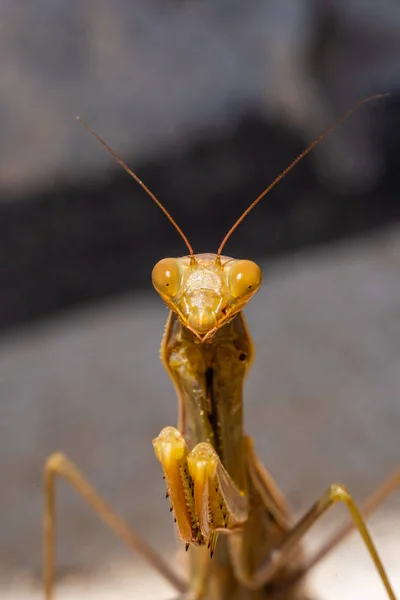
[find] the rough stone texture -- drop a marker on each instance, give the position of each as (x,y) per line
(322,402)
(151,74)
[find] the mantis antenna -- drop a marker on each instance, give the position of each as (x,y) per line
(140,182)
(296,160)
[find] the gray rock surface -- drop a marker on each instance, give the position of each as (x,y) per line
(151,74)
(322,403)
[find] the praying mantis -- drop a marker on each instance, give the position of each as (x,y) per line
(229,513)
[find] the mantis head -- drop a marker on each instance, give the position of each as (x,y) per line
(206,290)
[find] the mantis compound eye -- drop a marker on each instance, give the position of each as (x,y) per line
(166,277)
(244,278)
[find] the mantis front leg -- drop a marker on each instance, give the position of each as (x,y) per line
(203,496)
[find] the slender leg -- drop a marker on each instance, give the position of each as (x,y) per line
(58,465)
(389,486)
(336,493)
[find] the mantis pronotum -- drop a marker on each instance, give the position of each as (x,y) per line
(227,508)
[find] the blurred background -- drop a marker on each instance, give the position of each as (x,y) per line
(208,101)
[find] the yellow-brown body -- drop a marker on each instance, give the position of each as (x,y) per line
(225,504)
(208,377)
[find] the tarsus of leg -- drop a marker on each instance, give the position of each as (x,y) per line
(336,493)
(58,465)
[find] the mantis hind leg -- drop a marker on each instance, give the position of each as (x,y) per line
(58,465)
(376,499)
(282,553)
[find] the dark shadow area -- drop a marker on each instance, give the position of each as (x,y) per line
(79,243)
